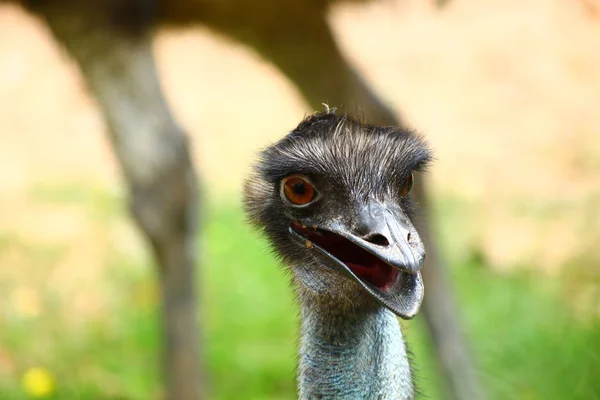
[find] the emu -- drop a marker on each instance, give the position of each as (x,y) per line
(333,199)
(111,42)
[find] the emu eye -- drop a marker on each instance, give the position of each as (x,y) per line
(298,190)
(406,185)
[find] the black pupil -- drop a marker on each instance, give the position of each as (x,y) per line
(299,188)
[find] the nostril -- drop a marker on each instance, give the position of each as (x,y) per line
(377,239)
(408,237)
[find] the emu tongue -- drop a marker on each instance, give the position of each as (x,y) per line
(380,275)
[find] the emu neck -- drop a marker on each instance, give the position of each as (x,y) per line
(350,353)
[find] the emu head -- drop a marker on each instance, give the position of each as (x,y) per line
(333,199)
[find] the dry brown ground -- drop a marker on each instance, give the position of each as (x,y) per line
(506,91)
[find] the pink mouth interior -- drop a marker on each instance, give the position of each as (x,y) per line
(365,265)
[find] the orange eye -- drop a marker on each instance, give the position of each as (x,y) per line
(298,191)
(406,185)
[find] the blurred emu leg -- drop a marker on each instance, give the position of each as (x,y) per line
(305,50)
(118,65)
(442,316)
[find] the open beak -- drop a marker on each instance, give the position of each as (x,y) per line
(381,251)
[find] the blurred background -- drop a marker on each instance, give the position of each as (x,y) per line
(508,95)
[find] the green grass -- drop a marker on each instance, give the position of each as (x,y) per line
(527,341)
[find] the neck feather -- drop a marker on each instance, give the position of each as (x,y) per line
(352,353)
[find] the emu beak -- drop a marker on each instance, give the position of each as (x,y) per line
(380,250)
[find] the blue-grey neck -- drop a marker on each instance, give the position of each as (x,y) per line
(352,353)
